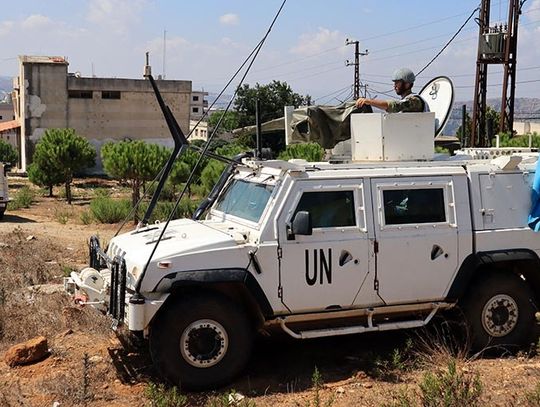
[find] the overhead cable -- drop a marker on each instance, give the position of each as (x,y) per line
(450,41)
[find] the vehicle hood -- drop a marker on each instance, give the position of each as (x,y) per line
(183,236)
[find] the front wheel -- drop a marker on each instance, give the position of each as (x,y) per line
(500,310)
(201,342)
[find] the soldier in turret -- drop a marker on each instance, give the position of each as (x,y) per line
(403,80)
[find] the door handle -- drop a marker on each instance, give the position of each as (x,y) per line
(436,251)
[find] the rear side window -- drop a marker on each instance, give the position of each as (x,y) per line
(329,209)
(405,206)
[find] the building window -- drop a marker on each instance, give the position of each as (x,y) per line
(80,94)
(195,98)
(328,209)
(1,117)
(110,94)
(195,110)
(406,206)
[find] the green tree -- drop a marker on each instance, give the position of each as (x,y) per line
(492,116)
(212,171)
(312,152)
(272,98)
(229,122)
(8,154)
(59,155)
(134,162)
(468,129)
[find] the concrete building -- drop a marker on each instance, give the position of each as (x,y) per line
(9,127)
(527,127)
(199,104)
(46,96)
(199,131)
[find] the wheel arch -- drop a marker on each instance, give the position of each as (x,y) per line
(237,285)
(522,262)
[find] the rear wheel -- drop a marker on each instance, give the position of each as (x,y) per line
(500,310)
(201,342)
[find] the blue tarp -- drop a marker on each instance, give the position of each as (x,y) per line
(534,215)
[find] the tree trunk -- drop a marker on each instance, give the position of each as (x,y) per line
(135,198)
(68,192)
(50,191)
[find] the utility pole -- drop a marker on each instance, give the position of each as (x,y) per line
(356,63)
(497,44)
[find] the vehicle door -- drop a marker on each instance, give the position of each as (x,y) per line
(326,268)
(417,237)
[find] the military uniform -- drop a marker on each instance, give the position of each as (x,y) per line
(410,103)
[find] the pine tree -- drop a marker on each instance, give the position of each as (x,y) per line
(59,155)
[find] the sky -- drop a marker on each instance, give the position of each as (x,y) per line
(207,40)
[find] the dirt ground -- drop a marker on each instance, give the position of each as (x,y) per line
(90,365)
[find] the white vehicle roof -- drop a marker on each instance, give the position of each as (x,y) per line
(517,162)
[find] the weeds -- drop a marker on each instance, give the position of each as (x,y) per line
(63,215)
(317,382)
(231,398)
(108,210)
(85,388)
(450,388)
(400,361)
(86,217)
(23,199)
(533,396)
(161,396)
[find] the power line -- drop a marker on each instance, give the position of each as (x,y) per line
(449,42)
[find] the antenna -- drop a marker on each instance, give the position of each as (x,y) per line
(93,73)
(164,51)
(147,68)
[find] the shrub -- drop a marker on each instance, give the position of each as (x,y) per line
(8,154)
(161,396)
(107,210)
(23,199)
(450,388)
(161,212)
(62,215)
(307,151)
(86,217)
(518,141)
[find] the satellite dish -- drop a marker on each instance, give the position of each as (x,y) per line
(439,96)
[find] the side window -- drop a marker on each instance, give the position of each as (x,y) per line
(403,206)
(329,209)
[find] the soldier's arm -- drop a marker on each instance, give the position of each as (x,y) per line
(379,104)
(413,104)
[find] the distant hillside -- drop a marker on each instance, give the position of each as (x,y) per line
(523,106)
(6,86)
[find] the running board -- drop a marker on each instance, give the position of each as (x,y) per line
(371,327)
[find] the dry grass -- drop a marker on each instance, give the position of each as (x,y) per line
(25,312)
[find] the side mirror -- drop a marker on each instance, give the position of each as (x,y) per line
(301,225)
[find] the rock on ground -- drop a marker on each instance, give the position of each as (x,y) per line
(28,352)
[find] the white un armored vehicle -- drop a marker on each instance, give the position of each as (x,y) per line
(384,242)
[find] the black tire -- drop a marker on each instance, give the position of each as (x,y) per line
(201,342)
(2,211)
(500,311)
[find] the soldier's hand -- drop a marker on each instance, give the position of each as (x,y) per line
(361,102)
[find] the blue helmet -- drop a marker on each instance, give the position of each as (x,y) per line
(404,74)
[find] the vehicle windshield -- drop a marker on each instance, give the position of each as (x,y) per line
(244,199)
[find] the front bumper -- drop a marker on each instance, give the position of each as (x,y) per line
(124,305)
